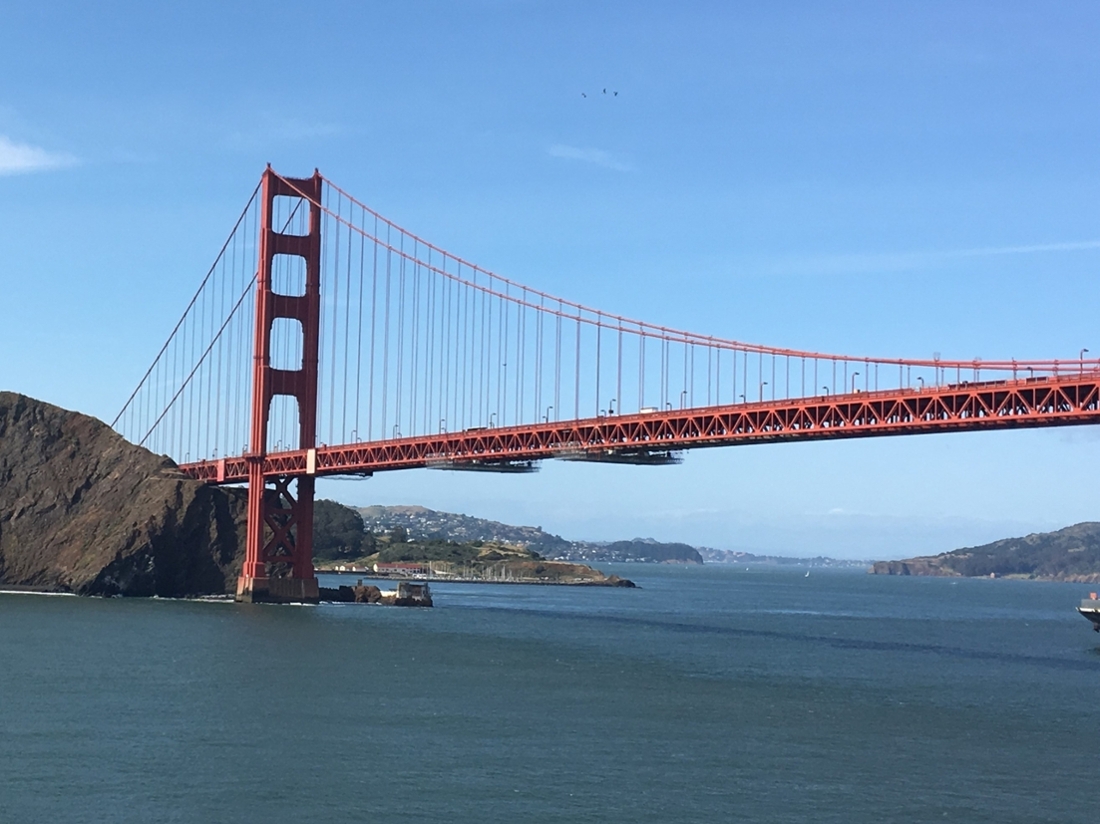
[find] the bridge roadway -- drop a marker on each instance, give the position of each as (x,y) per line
(1060,400)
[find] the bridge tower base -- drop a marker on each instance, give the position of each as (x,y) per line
(278,566)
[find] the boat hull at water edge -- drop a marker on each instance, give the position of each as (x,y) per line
(1091,609)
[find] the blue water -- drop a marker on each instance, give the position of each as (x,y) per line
(711,694)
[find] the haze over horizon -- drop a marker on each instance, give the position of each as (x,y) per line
(891,180)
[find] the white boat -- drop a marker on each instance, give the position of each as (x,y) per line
(1090,608)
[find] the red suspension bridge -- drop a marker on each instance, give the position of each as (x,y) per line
(327,340)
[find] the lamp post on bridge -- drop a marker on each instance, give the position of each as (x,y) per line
(762,385)
(854,376)
(1082,359)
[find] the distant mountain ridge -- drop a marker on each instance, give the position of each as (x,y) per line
(1070,554)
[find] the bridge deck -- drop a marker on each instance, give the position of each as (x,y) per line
(1034,402)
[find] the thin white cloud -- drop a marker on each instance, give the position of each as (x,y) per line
(881,262)
(289,131)
(1072,246)
(597,156)
(22,158)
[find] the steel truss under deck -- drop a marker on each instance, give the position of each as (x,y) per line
(1029,403)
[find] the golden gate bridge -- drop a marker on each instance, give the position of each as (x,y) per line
(327,340)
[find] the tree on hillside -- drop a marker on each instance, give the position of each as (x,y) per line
(338,532)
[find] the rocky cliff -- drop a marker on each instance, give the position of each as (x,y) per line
(1070,554)
(84,511)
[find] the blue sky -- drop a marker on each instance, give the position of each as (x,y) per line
(890,179)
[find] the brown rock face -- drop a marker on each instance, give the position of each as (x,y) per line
(82,510)
(913,566)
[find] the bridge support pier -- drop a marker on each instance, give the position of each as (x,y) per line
(278,563)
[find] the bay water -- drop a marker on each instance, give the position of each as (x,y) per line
(709,694)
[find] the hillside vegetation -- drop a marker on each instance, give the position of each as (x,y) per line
(1070,554)
(340,540)
(423,524)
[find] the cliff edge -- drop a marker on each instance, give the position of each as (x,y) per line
(1070,554)
(82,510)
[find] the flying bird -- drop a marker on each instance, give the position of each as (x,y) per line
(583,94)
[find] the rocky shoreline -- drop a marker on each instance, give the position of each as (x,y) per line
(1069,555)
(83,511)
(604,581)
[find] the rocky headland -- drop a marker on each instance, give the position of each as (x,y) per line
(84,511)
(1070,554)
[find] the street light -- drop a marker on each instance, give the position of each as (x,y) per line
(762,385)
(826,389)
(546,418)
(854,374)
(1083,351)
(921,379)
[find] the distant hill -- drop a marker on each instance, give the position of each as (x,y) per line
(423,524)
(650,550)
(732,556)
(346,541)
(1070,554)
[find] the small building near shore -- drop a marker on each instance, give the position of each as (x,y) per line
(411,594)
(400,568)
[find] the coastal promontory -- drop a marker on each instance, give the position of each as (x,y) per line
(84,511)
(1070,554)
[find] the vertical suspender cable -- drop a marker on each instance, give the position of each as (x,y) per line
(373,319)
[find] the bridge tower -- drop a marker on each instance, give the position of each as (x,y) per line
(278,562)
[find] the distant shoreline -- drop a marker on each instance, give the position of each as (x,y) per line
(617,583)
